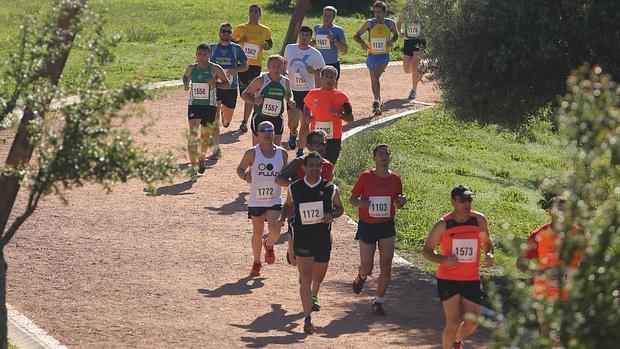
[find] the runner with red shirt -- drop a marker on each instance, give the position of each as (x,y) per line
(377,194)
(461,233)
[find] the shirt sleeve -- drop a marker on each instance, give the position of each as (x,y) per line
(532,247)
(241,54)
(340,35)
(358,188)
(318,60)
(237,33)
(399,186)
(267,34)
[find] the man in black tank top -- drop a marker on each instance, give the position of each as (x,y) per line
(315,202)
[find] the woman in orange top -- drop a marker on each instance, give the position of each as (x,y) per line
(461,233)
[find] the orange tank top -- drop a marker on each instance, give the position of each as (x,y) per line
(461,239)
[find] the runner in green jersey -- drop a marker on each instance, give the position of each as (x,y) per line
(268,93)
(202,107)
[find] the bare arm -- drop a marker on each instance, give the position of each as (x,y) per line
(358,35)
(341,45)
(488,242)
(223,83)
(338,208)
(287,172)
(438,229)
(242,67)
(399,23)
(304,127)
(358,202)
(395,34)
(288,95)
(287,208)
(248,93)
(246,161)
(186,77)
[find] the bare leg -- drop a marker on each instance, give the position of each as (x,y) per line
(467,327)
(367,257)
(375,76)
(293,119)
(305,265)
(274,227)
(320,269)
(452,311)
(258,227)
(227,114)
(386,253)
(415,77)
(192,142)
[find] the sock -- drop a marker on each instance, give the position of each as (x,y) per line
(378,300)
(315,299)
(294,133)
(308,320)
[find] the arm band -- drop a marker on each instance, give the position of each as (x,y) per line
(347,108)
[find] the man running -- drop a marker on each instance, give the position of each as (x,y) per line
(202,106)
(325,109)
(377,194)
(231,57)
(414,45)
(330,39)
(461,233)
(303,64)
(268,94)
(315,141)
(264,161)
(316,203)
(378,47)
(254,38)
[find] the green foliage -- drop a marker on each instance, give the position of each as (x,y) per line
(500,61)
(589,120)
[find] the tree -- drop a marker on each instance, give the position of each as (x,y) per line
(76,143)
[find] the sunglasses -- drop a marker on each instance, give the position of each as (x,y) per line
(464,200)
(225,31)
(266,129)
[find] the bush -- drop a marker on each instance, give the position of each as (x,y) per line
(500,61)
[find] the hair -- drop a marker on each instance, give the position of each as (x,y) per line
(225,24)
(312,155)
(332,9)
(306,29)
(376,149)
(275,57)
(265,123)
(381,5)
(315,133)
(203,47)
(330,68)
(260,10)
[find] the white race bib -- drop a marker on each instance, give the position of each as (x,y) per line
(251,50)
(322,42)
(327,127)
(311,212)
(272,107)
(378,45)
(413,30)
(200,90)
(380,206)
(465,250)
(300,82)
(567,275)
(266,192)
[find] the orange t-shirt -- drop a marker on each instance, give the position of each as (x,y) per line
(320,101)
(462,239)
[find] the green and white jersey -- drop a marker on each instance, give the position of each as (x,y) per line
(274,93)
(411,26)
(200,93)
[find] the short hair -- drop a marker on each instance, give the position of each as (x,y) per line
(225,24)
(313,133)
(381,5)
(260,10)
(330,68)
(203,47)
(312,155)
(267,123)
(275,57)
(379,146)
(306,29)
(332,9)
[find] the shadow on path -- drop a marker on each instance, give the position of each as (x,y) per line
(175,189)
(275,320)
(245,285)
(238,205)
(230,137)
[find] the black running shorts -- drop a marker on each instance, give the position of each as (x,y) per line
(470,290)
(246,77)
(317,245)
(412,45)
(227,97)
(278,123)
(259,211)
(372,233)
(206,113)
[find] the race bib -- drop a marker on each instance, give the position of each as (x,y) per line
(322,42)
(378,45)
(200,90)
(380,206)
(251,50)
(265,192)
(567,275)
(327,127)
(311,212)
(413,30)
(465,250)
(300,82)
(272,107)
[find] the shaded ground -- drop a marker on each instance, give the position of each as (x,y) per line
(128,270)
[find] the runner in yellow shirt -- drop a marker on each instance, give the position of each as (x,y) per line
(254,38)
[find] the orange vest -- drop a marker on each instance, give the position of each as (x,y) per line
(464,241)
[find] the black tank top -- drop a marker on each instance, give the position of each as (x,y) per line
(310,205)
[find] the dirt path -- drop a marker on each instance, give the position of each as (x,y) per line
(128,270)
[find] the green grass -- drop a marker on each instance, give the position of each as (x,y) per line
(12,346)
(160,36)
(432,152)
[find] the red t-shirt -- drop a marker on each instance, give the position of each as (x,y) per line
(382,193)
(327,170)
(319,101)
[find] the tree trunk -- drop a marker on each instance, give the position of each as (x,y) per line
(293,28)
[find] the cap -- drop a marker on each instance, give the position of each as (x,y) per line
(460,190)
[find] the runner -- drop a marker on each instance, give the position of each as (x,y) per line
(461,234)
(202,106)
(264,161)
(330,39)
(315,202)
(303,63)
(315,141)
(254,38)
(414,45)
(377,194)
(325,108)
(268,93)
(378,47)
(231,57)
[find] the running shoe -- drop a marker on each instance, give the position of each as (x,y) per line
(412,94)
(225,124)
(217,154)
(376,108)
(300,153)
(192,173)
(315,304)
(243,128)
(358,284)
(309,328)
(292,141)
(256,269)
(377,309)
(270,254)
(458,345)
(201,166)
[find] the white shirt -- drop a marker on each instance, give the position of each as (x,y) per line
(297,62)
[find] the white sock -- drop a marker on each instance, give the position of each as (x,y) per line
(378,300)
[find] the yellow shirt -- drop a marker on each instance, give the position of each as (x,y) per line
(379,36)
(256,37)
